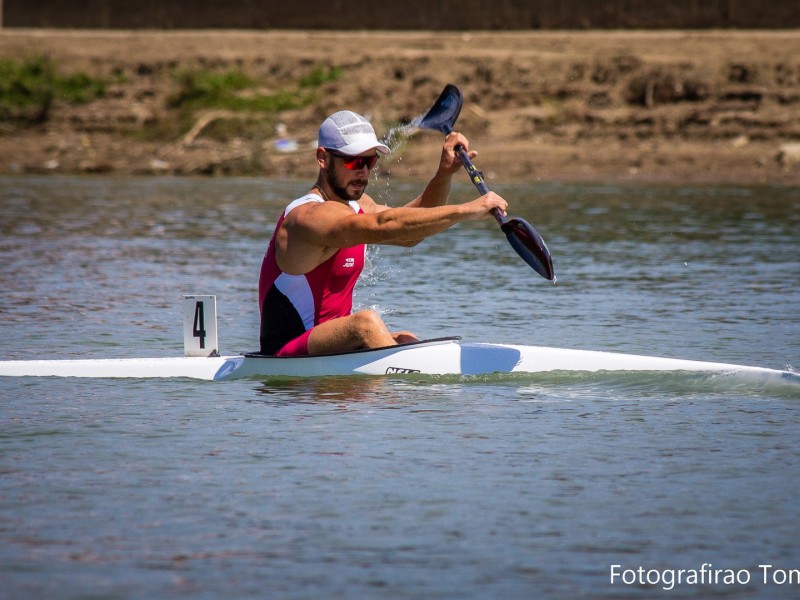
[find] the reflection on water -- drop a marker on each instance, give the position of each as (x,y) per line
(337,390)
(353,393)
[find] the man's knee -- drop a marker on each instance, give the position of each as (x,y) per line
(366,329)
(367,322)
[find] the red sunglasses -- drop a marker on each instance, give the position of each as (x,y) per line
(354,163)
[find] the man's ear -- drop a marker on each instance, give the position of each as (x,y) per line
(322,158)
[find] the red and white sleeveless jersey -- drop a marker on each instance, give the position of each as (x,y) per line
(292,304)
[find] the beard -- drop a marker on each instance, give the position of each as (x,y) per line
(340,188)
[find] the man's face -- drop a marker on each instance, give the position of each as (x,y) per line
(348,176)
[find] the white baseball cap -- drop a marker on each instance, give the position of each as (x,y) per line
(349,133)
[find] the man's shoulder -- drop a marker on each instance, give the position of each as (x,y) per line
(306,213)
(302,200)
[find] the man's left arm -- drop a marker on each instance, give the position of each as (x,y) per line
(437,192)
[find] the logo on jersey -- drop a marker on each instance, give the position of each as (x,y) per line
(349,263)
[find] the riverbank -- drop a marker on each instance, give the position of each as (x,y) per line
(674,106)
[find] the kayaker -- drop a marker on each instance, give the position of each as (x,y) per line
(316,253)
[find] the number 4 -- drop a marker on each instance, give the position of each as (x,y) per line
(199,326)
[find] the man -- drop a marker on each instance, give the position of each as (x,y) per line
(316,253)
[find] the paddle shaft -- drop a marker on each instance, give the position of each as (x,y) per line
(475,176)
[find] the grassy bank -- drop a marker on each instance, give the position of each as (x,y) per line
(639,106)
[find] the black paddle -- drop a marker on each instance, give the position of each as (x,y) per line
(521,235)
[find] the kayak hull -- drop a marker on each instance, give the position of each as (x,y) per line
(444,356)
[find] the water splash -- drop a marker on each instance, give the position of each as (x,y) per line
(396,139)
(397,135)
(375,274)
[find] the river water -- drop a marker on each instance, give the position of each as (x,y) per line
(488,487)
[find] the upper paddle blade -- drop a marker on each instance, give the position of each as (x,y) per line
(444,112)
(530,246)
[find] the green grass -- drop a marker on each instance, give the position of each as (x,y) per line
(320,75)
(199,89)
(29,87)
(206,89)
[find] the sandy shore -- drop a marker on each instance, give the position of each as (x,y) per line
(704,107)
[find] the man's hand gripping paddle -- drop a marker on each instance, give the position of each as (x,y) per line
(521,235)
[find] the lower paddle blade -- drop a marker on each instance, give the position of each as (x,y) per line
(530,246)
(444,112)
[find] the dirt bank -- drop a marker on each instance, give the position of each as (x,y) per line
(709,107)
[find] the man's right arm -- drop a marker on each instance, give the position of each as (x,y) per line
(332,225)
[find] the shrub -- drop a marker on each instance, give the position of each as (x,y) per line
(28,88)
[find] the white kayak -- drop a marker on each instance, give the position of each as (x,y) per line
(444,356)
